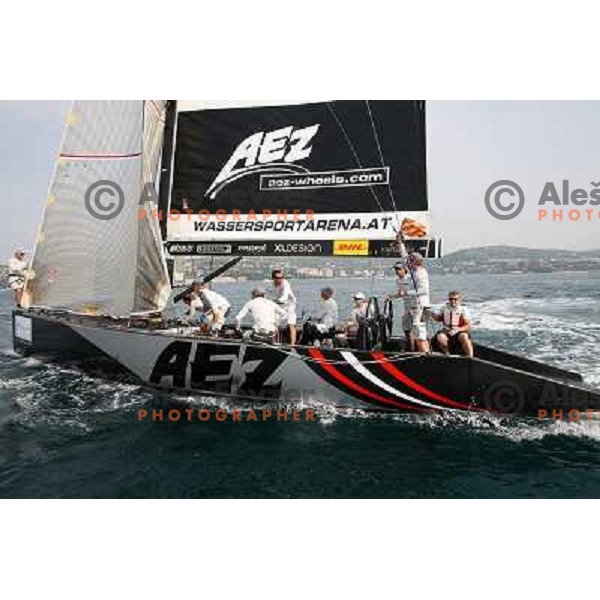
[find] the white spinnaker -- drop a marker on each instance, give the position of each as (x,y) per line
(152,286)
(84,263)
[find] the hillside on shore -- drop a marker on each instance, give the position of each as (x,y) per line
(488,259)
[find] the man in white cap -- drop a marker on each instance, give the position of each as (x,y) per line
(265,312)
(17,266)
(359,310)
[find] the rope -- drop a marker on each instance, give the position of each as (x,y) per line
(353,150)
(381,158)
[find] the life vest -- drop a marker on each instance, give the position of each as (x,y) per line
(454,317)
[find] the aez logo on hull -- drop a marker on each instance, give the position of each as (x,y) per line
(272,152)
(222,368)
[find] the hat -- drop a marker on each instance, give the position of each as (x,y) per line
(258,291)
(400,265)
(415,258)
(359,296)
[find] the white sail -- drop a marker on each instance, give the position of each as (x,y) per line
(87,252)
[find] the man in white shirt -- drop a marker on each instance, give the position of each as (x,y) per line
(329,311)
(17,266)
(265,312)
(456,326)
(285,298)
(404,286)
(419,300)
(213,305)
(359,310)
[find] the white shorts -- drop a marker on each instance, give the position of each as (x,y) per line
(218,316)
(291,311)
(16,283)
(419,328)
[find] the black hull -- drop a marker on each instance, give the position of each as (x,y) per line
(494,381)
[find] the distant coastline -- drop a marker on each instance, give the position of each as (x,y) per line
(487,259)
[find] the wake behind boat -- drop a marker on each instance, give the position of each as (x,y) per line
(352,174)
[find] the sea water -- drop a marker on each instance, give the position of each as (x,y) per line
(69,433)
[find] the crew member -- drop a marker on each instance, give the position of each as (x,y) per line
(195,308)
(329,312)
(215,306)
(323,328)
(284,297)
(265,312)
(358,313)
(418,295)
(359,310)
(16,274)
(404,285)
(455,333)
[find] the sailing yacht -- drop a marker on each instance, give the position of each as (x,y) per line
(137,183)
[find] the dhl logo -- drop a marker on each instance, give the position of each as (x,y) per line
(351,247)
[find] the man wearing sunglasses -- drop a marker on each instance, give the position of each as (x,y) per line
(455,334)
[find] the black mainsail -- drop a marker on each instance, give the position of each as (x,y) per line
(325,178)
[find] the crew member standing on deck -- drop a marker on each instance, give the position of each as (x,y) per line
(404,285)
(418,300)
(17,266)
(285,298)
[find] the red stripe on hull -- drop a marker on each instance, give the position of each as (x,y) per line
(341,378)
(417,387)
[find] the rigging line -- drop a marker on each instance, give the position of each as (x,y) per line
(393,199)
(353,150)
(389,185)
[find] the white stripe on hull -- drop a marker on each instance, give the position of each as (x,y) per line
(355,363)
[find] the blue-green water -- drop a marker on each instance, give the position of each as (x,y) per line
(65,433)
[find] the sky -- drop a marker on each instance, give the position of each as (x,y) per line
(470,145)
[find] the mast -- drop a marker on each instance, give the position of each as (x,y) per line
(166,171)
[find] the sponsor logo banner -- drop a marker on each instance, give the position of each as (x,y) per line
(348,156)
(351,248)
(257,229)
(326,179)
(278,248)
